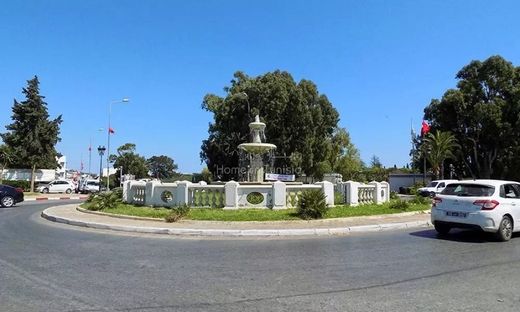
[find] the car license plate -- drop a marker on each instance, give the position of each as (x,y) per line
(457,214)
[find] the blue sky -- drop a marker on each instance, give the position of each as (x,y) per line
(379,62)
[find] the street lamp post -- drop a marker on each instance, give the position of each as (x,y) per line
(109,132)
(90,152)
(121,176)
(101,151)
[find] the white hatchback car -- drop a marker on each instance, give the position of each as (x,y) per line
(486,205)
(57,186)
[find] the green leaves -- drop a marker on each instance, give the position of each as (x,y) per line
(312,205)
(162,167)
(439,146)
(130,161)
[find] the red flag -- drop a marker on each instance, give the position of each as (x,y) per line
(111,131)
(425,128)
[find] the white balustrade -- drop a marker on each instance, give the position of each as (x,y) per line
(210,196)
(355,193)
(232,195)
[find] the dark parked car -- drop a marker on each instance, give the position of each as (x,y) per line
(9,195)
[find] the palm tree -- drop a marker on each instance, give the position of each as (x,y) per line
(438,147)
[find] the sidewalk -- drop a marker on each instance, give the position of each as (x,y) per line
(69,214)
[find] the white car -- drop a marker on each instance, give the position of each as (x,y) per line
(434,187)
(57,186)
(88,186)
(485,205)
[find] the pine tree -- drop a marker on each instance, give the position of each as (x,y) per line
(32,136)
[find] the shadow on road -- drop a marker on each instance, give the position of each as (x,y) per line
(461,236)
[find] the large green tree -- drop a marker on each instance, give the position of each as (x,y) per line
(32,136)
(483,114)
(162,167)
(299,120)
(131,162)
(342,156)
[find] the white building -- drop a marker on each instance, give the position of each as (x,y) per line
(62,167)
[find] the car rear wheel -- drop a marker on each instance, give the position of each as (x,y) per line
(505,230)
(442,228)
(7,201)
(45,190)
(68,191)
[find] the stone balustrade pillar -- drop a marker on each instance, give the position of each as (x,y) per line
(279,195)
(352,196)
(128,195)
(148,193)
(231,191)
(386,188)
(328,189)
(182,197)
(378,196)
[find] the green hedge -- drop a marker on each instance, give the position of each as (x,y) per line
(25,185)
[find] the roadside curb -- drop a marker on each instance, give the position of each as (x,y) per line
(334,231)
(113,215)
(55,198)
(119,216)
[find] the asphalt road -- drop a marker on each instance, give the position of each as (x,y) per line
(49,267)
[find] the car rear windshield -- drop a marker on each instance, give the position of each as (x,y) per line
(475,190)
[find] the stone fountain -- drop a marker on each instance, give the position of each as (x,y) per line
(256,152)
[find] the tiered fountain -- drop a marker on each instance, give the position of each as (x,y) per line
(255,152)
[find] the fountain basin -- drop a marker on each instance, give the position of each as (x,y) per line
(257,148)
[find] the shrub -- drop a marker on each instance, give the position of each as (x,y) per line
(393,195)
(311,205)
(25,185)
(118,191)
(104,200)
(399,205)
(413,189)
(421,200)
(177,213)
(338,198)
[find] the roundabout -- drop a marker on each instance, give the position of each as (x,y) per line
(46,266)
(73,215)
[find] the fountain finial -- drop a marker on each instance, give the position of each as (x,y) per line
(257,118)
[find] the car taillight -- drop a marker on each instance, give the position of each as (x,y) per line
(486,204)
(19,190)
(435,201)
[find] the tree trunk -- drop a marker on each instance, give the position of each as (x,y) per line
(442,170)
(32,178)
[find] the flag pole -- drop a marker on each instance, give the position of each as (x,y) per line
(424,169)
(89,155)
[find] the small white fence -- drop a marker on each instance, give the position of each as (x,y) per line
(231,195)
(355,193)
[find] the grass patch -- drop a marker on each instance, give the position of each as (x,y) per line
(136,211)
(31,193)
(260,214)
